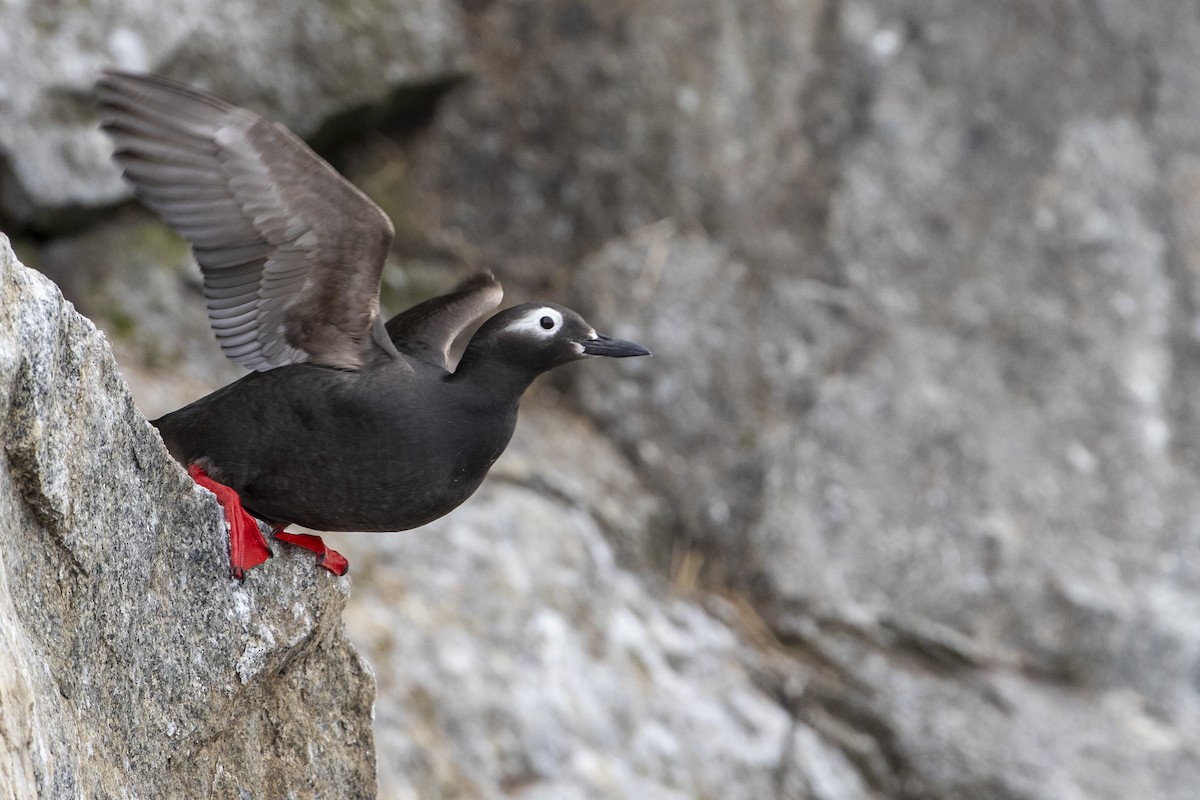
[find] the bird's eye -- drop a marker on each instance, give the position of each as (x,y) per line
(547,323)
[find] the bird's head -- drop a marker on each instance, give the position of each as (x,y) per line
(535,337)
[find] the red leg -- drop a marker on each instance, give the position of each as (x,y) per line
(331,560)
(247,547)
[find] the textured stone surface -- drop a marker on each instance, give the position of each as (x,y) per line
(132,665)
(338,57)
(920,284)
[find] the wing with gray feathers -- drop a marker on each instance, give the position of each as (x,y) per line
(291,252)
(434,324)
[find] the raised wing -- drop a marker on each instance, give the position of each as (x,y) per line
(428,329)
(291,252)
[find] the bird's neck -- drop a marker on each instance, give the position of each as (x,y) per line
(495,380)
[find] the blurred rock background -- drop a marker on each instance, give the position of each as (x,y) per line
(906,504)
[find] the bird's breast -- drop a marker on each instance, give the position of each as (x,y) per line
(383,464)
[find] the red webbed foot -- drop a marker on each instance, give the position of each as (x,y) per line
(328,558)
(247,547)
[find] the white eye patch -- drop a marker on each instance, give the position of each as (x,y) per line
(541,322)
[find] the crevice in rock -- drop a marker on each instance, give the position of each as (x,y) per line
(406,110)
(23,438)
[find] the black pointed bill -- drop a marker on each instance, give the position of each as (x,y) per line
(614,348)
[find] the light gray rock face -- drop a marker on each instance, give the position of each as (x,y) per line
(130,664)
(338,57)
(920,283)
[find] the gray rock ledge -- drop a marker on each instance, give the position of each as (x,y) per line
(130,664)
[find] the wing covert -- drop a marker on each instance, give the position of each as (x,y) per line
(434,324)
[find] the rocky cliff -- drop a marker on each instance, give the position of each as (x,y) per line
(905,505)
(130,665)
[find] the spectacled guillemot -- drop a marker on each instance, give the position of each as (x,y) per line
(346,423)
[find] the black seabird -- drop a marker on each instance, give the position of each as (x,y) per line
(346,423)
